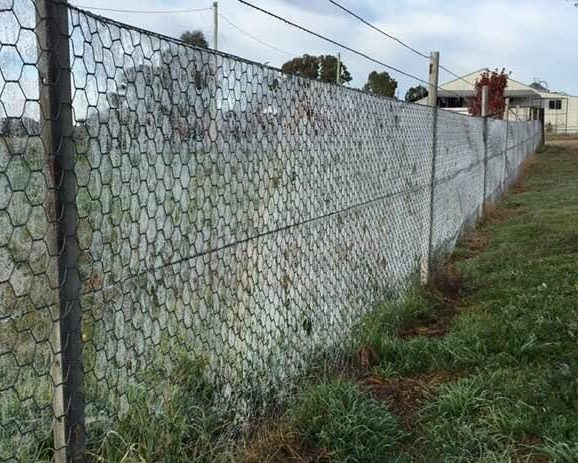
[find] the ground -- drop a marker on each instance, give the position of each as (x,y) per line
(482,366)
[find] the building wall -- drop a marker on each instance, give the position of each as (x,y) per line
(563,120)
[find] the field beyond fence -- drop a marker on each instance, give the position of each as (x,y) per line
(178,222)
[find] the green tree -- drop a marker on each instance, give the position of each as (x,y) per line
(416,93)
(306,66)
(196,38)
(322,68)
(328,70)
(380,83)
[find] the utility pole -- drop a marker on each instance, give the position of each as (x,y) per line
(338,76)
(485,101)
(216,26)
(434,72)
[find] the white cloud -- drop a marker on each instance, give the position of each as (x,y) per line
(533,38)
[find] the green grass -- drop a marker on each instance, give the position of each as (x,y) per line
(173,419)
(512,349)
(510,357)
(348,423)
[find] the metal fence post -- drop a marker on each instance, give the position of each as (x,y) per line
(57,135)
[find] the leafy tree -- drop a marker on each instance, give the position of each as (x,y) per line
(497,83)
(380,83)
(328,70)
(416,93)
(306,66)
(322,68)
(196,38)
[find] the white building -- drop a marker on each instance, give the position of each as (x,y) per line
(560,109)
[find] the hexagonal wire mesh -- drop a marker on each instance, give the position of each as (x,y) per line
(222,211)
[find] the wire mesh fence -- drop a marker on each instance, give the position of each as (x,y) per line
(171,212)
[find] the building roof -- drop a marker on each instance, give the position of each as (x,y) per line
(465,86)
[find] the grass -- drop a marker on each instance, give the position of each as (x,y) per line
(338,416)
(335,421)
(560,136)
(183,423)
(480,367)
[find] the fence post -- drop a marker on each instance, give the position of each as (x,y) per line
(434,70)
(505,172)
(216,26)
(485,101)
(426,262)
(485,114)
(52,34)
(542,119)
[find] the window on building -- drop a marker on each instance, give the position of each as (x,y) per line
(452,102)
(555,104)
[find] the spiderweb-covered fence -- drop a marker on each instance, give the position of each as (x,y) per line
(160,202)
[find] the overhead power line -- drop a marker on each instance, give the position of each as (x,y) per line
(367,23)
(253,37)
(116,10)
(396,39)
(334,42)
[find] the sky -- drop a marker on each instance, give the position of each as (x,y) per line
(534,39)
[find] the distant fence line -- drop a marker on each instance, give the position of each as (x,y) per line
(160,201)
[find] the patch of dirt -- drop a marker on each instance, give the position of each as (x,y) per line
(367,357)
(563,142)
(447,287)
(525,450)
(497,216)
(477,241)
(519,187)
(539,459)
(405,395)
(430,325)
(281,445)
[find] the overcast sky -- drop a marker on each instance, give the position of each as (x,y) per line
(531,38)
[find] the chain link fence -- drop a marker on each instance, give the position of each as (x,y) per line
(173,212)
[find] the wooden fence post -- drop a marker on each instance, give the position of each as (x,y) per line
(426,263)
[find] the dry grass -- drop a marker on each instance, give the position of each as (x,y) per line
(280,444)
(476,241)
(405,395)
(498,215)
(445,290)
(563,142)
